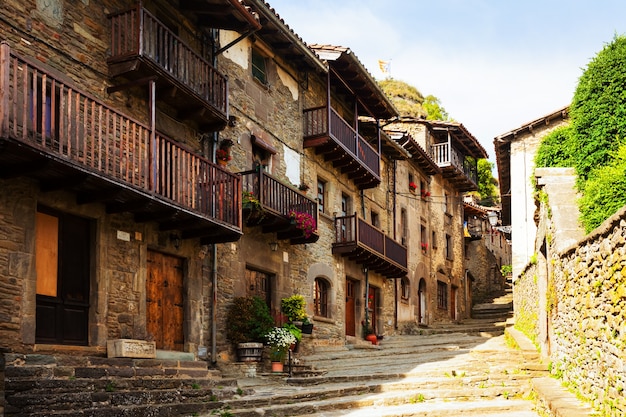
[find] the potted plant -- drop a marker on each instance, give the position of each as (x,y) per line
(294,308)
(279,340)
(369,333)
(303,221)
(247,322)
(412,186)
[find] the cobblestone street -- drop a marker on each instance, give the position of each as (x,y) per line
(454,371)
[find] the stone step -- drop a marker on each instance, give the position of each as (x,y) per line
(334,401)
(493,408)
(110,399)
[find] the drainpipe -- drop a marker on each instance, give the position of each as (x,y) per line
(214,34)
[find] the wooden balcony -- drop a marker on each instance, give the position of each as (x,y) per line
(273,204)
(340,144)
(460,170)
(142,47)
(66,139)
(369,246)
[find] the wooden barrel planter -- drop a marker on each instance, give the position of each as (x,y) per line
(250,352)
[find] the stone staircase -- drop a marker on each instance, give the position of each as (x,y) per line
(498,308)
(444,374)
(58,385)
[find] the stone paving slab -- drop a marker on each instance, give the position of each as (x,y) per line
(550,391)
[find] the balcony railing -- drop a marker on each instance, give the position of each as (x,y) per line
(324,122)
(445,156)
(136,33)
(369,246)
(277,200)
(77,131)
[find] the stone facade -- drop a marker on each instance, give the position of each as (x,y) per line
(127,249)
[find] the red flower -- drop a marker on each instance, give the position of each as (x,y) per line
(223,155)
(304,222)
(412,186)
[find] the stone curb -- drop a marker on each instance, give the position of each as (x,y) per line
(554,396)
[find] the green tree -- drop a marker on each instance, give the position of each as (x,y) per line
(598,110)
(487,184)
(434,109)
(556,149)
(605,191)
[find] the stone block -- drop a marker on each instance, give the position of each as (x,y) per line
(130,348)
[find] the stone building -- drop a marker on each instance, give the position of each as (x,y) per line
(487,249)
(441,176)
(515,155)
(158,159)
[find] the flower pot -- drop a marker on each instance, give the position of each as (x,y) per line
(307,328)
(250,352)
(372,338)
(277,367)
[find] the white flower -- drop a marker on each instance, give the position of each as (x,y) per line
(280,338)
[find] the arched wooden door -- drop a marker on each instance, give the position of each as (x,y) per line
(164,301)
(421,295)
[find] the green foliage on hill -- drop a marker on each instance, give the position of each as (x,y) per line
(411,103)
(407,99)
(595,141)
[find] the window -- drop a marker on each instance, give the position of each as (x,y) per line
(375,219)
(423,237)
(321,195)
(446,207)
(442,295)
(448,247)
(433,240)
(259,70)
(320,298)
(405,289)
(345,204)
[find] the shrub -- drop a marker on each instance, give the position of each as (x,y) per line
(248,320)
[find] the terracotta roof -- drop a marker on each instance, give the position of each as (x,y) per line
(358,80)
(418,154)
(281,38)
(222,14)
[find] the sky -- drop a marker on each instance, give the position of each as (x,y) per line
(495,65)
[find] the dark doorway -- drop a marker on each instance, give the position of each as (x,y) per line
(63,259)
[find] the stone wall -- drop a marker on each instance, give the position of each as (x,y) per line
(571,298)
(589,314)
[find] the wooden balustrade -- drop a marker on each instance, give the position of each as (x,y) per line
(382,253)
(319,121)
(276,196)
(55,118)
(445,155)
(136,32)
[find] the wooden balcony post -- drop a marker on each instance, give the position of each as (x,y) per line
(152,152)
(5,62)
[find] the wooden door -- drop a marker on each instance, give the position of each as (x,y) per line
(63,266)
(453,300)
(350,308)
(164,301)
